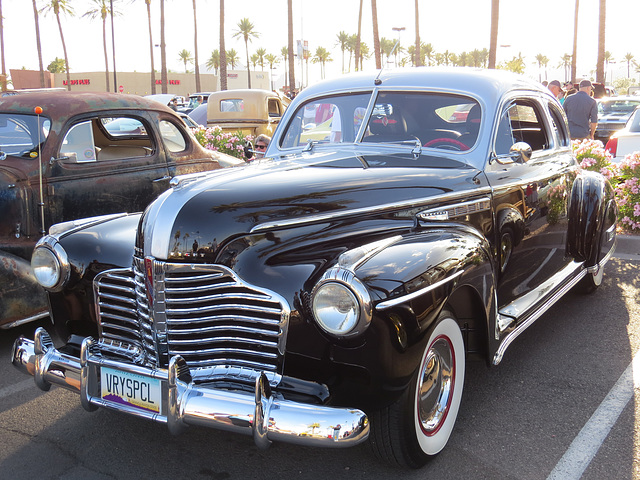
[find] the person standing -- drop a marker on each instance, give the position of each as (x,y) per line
(556,89)
(582,112)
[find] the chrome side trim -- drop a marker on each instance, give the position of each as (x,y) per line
(404,298)
(323,217)
(511,336)
(457,210)
(22,321)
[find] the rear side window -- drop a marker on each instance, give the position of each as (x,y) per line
(522,122)
(172,137)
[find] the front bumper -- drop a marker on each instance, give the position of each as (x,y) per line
(264,415)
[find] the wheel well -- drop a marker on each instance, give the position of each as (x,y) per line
(467,306)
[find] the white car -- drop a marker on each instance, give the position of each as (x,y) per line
(626,140)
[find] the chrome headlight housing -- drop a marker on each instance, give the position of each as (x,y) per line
(50,264)
(341,303)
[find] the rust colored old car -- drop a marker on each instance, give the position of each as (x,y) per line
(253,112)
(65,156)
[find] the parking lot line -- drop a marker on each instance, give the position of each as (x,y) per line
(587,443)
(17,387)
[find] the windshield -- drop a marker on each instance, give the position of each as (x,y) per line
(435,120)
(623,107)
(21,134)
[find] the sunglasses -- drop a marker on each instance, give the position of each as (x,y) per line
(261,147)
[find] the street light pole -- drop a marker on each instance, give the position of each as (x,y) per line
(113,44)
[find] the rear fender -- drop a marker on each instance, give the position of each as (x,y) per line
(592,218)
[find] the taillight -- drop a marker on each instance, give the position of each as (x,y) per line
(612,146)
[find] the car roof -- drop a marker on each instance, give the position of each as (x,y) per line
(67,104)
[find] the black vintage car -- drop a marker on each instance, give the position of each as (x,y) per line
(66,156)
(404,223)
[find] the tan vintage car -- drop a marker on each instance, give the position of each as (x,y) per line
(253,112)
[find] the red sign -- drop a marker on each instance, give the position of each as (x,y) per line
(84,81)
(170,82)
(121,89)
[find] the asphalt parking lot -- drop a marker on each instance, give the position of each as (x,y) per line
(563,404)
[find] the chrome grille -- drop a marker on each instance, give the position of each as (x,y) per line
(219,324)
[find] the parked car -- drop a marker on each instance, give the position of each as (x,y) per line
(199,115)
(195,100)
(334,290)
(627,140)
(253,112)
(601,90)
(85,154)
(613,114)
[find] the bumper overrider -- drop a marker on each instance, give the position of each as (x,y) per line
(177,401)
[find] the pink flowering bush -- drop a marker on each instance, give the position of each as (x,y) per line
(627,188)
(592,156)
(214,138)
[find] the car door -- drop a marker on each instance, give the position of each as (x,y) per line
(529,196)
(107,163)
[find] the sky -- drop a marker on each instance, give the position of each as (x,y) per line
(525,28)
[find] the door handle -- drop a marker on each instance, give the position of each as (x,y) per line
(162,179)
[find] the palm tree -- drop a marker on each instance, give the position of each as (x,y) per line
(57,6)
(164,78)
(38,45)
(565,62)
(574,54)
(153,70)
(376,38)
(195,42)
(223,52)
(232,58)
(3,84)
(342,43)
(417,44)
(542,62)
(427,53)
(284,53)
(601,27)
(102,10)
(322,56)
(271,60)
(255,59)
(292,74)
(608,58)
(246,32)
(358,35)
(629,59)
(214,61)
(386,47)
(261,52)
(185,56)
(364,53)
(493,40)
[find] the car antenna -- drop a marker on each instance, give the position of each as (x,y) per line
(377,80)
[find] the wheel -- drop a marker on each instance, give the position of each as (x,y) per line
(591,281)
(446,143)
(418,425)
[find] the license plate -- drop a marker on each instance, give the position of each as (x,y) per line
(131,389)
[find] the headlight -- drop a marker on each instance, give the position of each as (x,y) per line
(49,264)
(336,308)
(341,304)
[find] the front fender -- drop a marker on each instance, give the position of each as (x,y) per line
(22,299)
(592,213)
(416,276)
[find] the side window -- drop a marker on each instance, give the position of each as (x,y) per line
(559,125)
(172,137)
(274,108)
(78,144)
(525,125)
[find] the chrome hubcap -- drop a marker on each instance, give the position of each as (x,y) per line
(436,385)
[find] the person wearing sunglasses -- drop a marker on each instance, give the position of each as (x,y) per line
(261,144)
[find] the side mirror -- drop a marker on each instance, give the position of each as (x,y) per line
(520,152)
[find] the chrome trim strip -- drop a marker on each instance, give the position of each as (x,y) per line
(395,301)
(456,210)
(511,336)
(291,222)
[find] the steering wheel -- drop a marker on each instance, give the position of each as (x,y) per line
(447,144)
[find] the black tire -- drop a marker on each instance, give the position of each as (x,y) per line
(411,431)
(590,282)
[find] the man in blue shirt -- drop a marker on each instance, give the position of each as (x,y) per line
(582,112)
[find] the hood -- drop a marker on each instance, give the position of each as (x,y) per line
(202,217)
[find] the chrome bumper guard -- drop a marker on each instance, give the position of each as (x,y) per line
(263,415)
